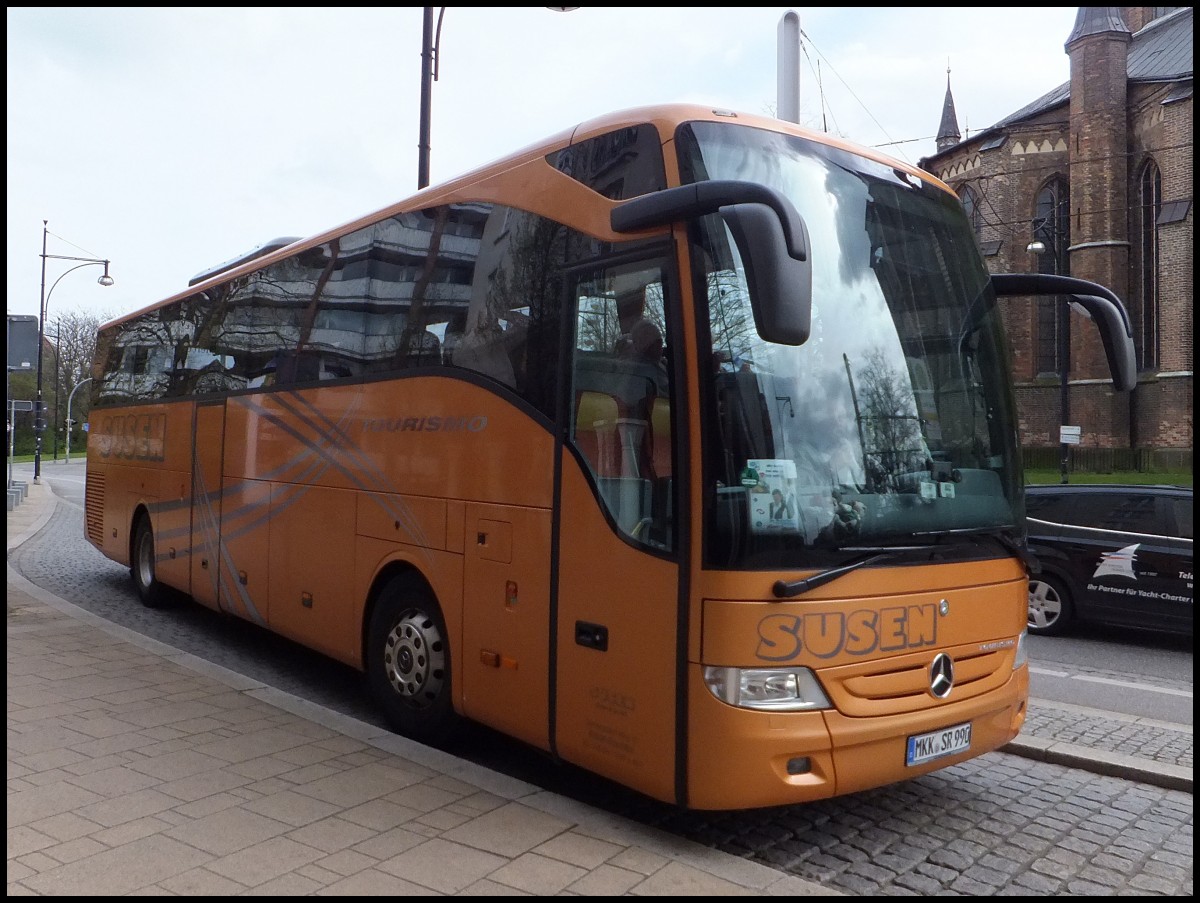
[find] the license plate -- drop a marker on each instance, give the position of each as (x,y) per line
(946,742)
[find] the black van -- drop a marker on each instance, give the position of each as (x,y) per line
(1112,554)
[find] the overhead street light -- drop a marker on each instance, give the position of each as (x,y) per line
(431,42)
(39,407)
(57,337)
(71,422)
(1062,312)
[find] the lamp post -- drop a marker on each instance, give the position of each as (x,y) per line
(39,419)
(431,42)
(70,398)
(1063,310)
(57,388)
(1062,313)
(430,45)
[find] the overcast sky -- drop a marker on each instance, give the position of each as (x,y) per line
(170,140)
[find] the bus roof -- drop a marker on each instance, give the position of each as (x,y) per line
(259,251)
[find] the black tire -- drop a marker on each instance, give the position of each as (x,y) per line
(408,662)
(1051,609)
(142,566)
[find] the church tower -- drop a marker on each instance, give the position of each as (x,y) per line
(948,134)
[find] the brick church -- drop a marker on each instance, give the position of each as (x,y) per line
(1094,180)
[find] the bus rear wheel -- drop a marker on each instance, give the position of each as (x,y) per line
(142,566)
(408,662)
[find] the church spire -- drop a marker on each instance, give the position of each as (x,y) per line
(948,134)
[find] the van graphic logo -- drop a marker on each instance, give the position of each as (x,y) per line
(1119,563)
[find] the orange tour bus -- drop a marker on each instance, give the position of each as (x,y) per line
(680,446)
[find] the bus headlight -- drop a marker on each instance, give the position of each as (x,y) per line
(1022,656)
(770,689)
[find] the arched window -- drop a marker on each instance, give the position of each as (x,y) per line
(1052,227)
(970,202)
(1145,312)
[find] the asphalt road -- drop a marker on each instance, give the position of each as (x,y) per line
(1148,675)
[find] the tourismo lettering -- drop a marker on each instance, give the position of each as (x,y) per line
(783,637)
(134,437)
(425,424)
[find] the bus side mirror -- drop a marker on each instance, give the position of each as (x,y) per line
(771,238)
(1101,305)
(780,282)
(1118,343)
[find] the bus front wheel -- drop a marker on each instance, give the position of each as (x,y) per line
(408,662)
(142,566)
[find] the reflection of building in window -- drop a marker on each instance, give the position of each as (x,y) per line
(450,333)
(488,347)
(423,350)
(412,290)
(137,360)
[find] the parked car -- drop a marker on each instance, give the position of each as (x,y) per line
(1112,554)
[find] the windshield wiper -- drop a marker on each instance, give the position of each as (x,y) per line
(785,589)
(1003,539)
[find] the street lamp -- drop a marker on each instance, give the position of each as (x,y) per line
(57,336)
(70,398)
(1062,312)
(39,419)
(431,42)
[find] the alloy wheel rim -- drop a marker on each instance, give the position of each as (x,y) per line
(414,658)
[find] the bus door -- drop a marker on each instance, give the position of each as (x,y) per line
(208,434)
(616,636)
(248,445)
(230,517)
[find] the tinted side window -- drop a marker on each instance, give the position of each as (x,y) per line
(622,422)
(1055,507)
(169,352)
(510,328)
(1122,512)
(421,268)
(471,285)
(619,165)
(1178,516)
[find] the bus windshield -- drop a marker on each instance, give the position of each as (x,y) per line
(894,421)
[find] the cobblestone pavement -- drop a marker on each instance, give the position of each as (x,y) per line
(1156,742)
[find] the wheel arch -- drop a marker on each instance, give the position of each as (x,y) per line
(1058,571)
(140,510)
(423,656)
(1052,582)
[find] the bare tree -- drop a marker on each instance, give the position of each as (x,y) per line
(72,357)
(887,415)
(729,313)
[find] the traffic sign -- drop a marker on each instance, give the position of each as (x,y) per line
(22,342)
(1070,435)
